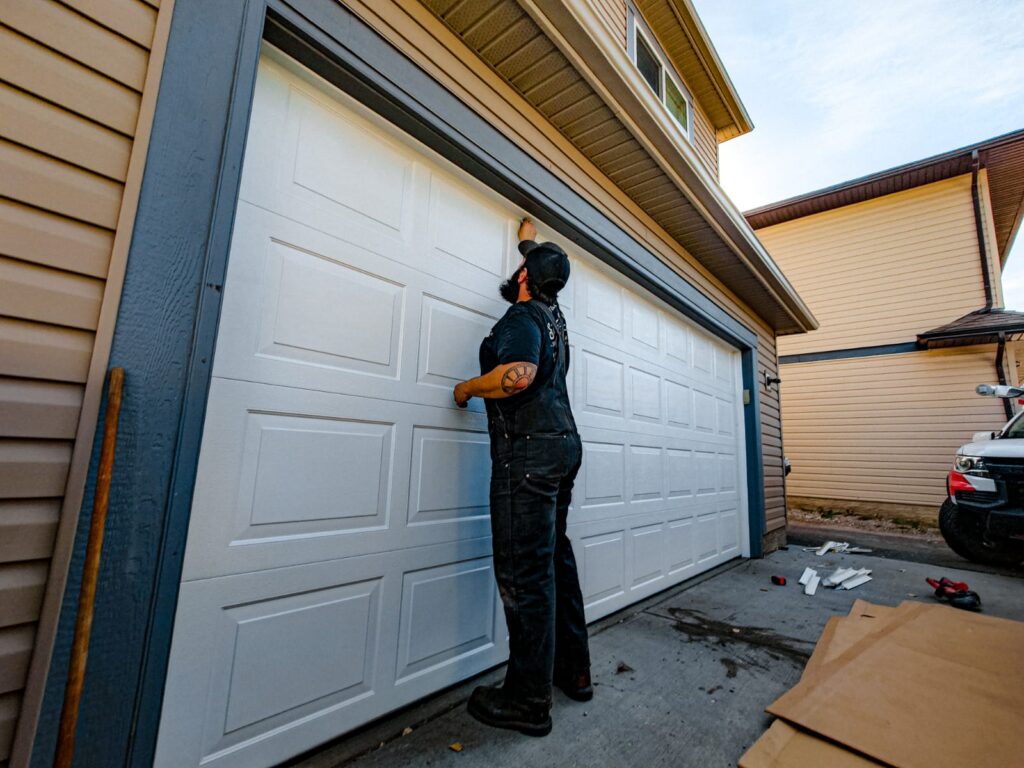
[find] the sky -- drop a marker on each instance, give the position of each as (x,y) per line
(842,88)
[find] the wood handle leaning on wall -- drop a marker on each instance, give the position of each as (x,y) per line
(90,574)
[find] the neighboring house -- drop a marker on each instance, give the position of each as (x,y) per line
(903,270)
(298,535)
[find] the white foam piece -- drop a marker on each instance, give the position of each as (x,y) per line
(807,574)
(812,585)
(856,581)
(838,576)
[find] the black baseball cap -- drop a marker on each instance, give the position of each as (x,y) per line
(548,267)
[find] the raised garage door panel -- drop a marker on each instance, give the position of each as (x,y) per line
(338,560)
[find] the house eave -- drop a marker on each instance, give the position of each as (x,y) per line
(605,67)
(741,122)
(1002,155)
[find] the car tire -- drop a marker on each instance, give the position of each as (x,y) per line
(964,533)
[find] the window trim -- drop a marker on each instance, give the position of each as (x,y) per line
(635,25)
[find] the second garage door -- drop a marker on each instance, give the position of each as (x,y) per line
(338,562)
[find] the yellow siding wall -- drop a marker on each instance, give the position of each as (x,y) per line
(884,428)
(71,82)
(882,271)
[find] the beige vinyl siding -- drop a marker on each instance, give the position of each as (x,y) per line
(771,443)
(704,139)
(612,13)
(71,83)
(882,271)
(884,428)
(423,37)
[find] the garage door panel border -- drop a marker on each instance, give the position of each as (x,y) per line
(211,607)
(222,542)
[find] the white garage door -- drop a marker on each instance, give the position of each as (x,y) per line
(338,564)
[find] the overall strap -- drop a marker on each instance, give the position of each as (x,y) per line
(552,330)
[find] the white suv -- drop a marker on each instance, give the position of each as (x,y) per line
(983,517)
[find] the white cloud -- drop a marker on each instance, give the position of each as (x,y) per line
(842,89)
(1013,279)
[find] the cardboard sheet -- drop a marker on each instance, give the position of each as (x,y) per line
(843,632)
(887,694)
(783,746)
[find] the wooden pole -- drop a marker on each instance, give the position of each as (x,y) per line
(90,574)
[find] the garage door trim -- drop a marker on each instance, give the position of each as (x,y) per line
(172,299)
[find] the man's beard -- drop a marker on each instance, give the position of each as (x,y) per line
(509,289)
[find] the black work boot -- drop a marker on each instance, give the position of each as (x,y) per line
(576,686)
(495,707)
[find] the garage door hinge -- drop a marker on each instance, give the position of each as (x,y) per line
(746,397)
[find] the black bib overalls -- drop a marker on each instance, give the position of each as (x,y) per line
(535,455)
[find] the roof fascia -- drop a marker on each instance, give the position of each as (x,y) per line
(963,154)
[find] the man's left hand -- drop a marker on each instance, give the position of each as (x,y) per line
(461,395)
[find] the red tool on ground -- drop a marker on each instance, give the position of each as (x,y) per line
(779,581)
(945,587)
(957,593)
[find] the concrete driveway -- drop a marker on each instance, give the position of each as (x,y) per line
(681,679)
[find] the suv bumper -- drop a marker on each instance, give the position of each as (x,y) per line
(998,496)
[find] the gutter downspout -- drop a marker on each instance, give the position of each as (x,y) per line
(1001,374)
(980,229)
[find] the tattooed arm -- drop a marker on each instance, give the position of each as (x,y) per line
(502,381)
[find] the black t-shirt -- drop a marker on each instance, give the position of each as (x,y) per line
(514,339)
(530,332)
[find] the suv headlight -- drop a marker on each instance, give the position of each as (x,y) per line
(968,463)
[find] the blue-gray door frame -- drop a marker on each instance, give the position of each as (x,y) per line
(170,307)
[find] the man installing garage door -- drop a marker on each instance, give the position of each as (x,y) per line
(535,456)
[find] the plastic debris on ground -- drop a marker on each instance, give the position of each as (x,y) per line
(812,584)
(856,581)
(839,547)
(847,578)
(841,578)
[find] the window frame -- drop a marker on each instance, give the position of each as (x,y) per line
(635,25)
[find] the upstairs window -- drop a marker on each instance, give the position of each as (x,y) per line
(653,65)
(647,62)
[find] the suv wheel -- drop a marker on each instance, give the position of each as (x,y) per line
(964,532)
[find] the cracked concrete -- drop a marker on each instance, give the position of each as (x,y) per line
(681,679)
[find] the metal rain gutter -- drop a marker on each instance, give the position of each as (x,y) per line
(980,229)
(1001,374)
